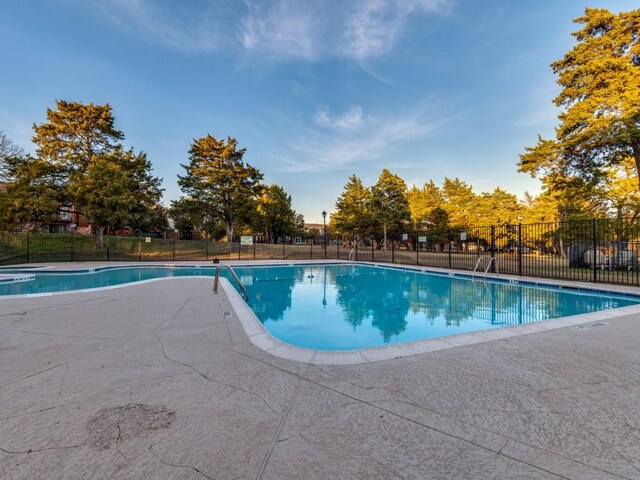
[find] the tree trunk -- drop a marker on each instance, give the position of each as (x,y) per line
(99,243)
(384,227)
(636,155)
(229,231)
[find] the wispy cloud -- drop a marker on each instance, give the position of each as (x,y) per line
(349,120)
(282,29)
(274,30)
(340,148)
(374,27)
(190,28)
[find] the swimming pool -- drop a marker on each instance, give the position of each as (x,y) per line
(356,306)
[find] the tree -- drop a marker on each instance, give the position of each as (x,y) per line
(220,182)
(10,156)
(353,210)
(275,214)
(111,186)
(499,208)
(600,121)
(460,203)
(389,203)
(79,152)
(150,219)
(438,227)
(34,196)
(621,191)
(299,223)
(422,202)
(75,133)
(191,215)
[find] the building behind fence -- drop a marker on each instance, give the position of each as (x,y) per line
(597,250)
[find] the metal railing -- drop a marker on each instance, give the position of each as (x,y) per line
(216,280)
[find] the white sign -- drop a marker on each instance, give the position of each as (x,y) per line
(463,236)
(147,239)
(246,240)
(422,239)
(405,236)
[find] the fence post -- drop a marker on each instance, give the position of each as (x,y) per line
(254,247)
(140,248)
(417,250)
(283,257)
(72,245)
(108,247)
(338,250)
(372,251)
(595,252)
(28,247)
(206,249)
(356,251)
(393,252)
(520,249)
(449,247)
(311,250)
(174,249)
(493,248)
(239,248)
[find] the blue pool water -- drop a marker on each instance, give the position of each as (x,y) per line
(346,306)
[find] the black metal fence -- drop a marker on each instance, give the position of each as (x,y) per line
(597,250)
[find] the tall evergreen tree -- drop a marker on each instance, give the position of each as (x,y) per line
(220,181)
(75,133)
(460,203)
(353,210)
(389,204)
(422,202)
(498,208)
(600,100)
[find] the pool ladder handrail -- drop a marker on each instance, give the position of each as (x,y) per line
(486,270)
(216,280)
(495,262)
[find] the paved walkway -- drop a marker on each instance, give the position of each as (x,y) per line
(159,381)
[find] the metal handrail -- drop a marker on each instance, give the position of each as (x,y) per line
(477,263)
(486,270)
(243,290)
(491,260)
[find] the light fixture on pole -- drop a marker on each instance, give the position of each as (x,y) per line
(324,231)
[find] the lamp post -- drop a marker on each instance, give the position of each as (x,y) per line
(324,231)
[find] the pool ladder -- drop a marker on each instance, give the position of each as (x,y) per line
(492,260)
(216,280)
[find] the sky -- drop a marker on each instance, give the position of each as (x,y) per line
(314,90)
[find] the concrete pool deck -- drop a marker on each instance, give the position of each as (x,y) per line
(160,380)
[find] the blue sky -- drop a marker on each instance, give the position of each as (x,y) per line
(315,90)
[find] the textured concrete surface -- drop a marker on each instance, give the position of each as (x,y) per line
(159,381)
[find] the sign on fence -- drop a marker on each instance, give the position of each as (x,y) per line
(147,239)
(422,239)
(463,236)
(246,240)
